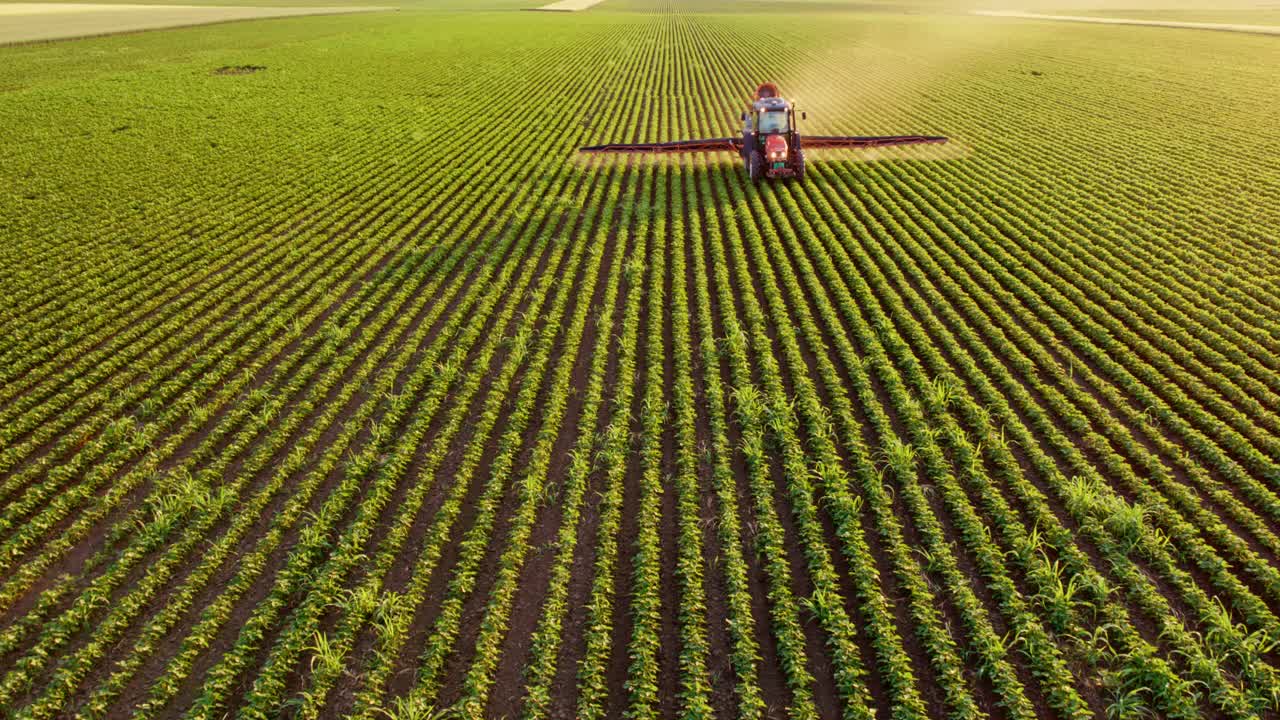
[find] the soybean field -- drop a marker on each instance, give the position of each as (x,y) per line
(335,383)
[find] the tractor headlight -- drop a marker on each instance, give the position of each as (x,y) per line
(779,155)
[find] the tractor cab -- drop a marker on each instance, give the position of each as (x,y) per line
(770,141)
(773,116)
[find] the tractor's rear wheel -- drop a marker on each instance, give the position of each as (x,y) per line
(755,166)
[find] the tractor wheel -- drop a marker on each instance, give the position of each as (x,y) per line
(755,166)
(798,164)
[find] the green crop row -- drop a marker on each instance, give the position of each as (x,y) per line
(368,397)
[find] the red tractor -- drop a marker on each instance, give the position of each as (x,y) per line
(770,140)
(770,144)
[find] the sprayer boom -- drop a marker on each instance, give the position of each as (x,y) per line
(770,144)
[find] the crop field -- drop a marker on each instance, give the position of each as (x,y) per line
(334,383)
(36,21)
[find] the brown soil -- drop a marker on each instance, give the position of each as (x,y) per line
(773,684)
(874,682)
(624,567)
(527,608)
(669,531)
(572,646)
(475,611)
(90,556)
(239,69)
(156,662)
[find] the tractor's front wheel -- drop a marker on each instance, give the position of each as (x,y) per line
(755,166)
(798,164)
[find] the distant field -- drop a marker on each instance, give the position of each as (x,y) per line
(334,383)
(1259,16)
(1153,20)
(25,22)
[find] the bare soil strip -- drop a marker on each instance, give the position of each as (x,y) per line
(1228,27)
(568,5)
(30,22)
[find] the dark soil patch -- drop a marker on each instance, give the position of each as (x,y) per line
(239,69)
